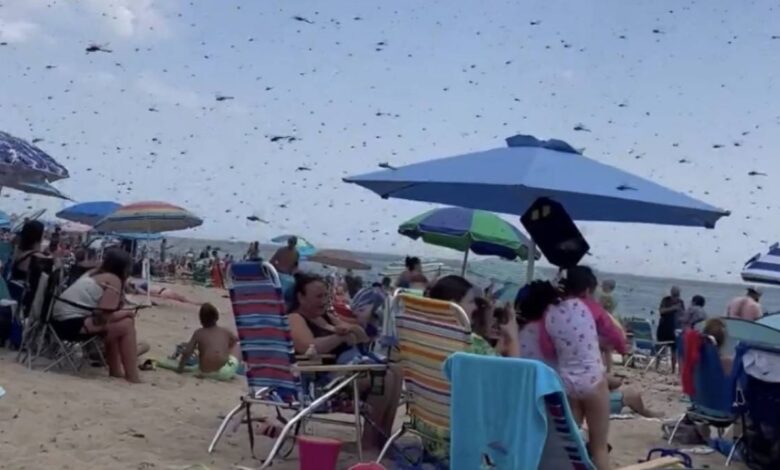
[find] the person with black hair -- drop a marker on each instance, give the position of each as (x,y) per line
(413,277)
(694,313)
(581,283)
(93,306)
(459,290)
(312,328)
(26,247)
(568,326)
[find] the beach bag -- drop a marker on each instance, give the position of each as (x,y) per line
(6,318)
(761,441)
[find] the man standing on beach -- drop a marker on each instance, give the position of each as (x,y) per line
(671,309)
(746,307)
(285,260)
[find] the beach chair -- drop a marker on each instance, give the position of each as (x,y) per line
(41,338)
(273,376)
(713,395)
(428,332)
(547,436)
(644,344)
(758,403)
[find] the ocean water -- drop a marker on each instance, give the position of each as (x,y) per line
(637,295)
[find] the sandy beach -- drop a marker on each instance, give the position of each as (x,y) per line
(58,420)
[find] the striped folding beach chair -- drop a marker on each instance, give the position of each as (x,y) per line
(429,331)
(273,377)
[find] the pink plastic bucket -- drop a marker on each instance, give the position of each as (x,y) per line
(368,466)
(318,453)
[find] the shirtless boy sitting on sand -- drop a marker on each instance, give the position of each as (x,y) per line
(214,344)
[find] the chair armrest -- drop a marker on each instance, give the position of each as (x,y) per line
(317,358)
(662,462)
(346,368)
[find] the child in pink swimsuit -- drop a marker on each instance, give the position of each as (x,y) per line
(571,330)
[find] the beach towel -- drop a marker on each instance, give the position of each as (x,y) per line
(691,353)
(498,413)
(224,374)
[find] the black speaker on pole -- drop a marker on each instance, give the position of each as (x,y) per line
(554,233)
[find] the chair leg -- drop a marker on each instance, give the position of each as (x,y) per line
(314,405)
(250,429)
(733,451)
(358,426)
(66,355)
(676,427)
(223,426)
(396,435)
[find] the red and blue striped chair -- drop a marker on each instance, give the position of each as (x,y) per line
(273,377)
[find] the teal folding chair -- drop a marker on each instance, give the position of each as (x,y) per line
(644,344)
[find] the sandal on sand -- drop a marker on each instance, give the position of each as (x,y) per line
(148,365)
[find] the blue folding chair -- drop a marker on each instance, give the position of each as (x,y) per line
(712,402)
(758,405)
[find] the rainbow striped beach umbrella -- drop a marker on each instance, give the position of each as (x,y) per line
(148,217)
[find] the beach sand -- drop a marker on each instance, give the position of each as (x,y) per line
(57,420)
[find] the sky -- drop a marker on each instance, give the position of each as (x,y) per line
(186,106)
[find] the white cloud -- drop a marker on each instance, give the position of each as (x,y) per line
(17,30)
(166,93)
(130,17)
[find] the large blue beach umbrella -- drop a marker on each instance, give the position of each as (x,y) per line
(89,213)
(509,180)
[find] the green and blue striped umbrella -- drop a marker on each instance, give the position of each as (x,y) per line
(468,230)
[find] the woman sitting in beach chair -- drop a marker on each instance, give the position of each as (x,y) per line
(457,289)
(92,306)
(716,329)
(315,332)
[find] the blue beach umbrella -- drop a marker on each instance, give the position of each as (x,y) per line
(509,180)
(88,213)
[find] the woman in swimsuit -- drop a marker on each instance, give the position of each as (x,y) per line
(572,329)
(311,327)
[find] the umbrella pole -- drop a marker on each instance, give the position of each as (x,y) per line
(531,260)
(147,266)
(465,263)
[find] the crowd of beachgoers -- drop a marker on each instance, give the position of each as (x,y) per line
(567,323)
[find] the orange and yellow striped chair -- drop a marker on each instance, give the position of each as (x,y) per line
(429,331)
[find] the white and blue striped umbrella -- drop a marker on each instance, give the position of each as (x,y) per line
(764,268)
